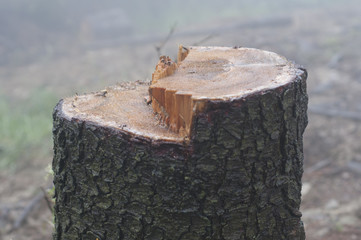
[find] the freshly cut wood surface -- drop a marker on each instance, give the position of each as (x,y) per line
(179,91)
(122,107)
(213,74)
(223,73)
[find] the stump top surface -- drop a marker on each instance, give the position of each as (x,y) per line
(213,73)
(123,108)
(224,73)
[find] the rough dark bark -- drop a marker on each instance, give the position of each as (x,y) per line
(238,178)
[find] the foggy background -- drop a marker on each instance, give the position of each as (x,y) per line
(54,49)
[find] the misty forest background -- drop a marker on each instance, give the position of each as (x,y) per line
(53,49)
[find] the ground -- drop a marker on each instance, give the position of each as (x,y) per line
(324,39)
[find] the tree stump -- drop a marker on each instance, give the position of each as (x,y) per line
(214,152)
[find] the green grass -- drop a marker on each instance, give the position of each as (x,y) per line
(25,129)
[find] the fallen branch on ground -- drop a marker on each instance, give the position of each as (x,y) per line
(27,210)
(335,113)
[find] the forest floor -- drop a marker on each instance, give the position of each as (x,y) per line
(326,41)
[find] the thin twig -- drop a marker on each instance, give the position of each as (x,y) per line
(19,222)
(27,210)
(164,42)
(210,36)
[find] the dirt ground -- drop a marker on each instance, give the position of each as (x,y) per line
(324,40)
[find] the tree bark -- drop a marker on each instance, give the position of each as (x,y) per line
(238,176)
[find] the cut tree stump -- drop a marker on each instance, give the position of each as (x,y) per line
(212,149)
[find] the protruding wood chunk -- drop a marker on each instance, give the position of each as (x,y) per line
(204,74)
